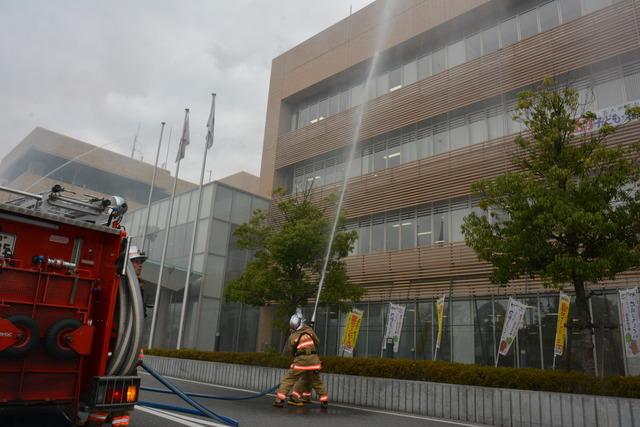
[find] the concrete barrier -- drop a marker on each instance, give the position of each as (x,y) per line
(483,405)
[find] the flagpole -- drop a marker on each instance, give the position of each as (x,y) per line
(209,142)
(153,182)
(156,302)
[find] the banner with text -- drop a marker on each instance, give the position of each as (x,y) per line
(561,326)
(614,115)
(440,314)
(630,321)
(394,325)
(512,321)
(352,324)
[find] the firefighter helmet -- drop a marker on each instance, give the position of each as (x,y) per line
(297,321)
(135,253)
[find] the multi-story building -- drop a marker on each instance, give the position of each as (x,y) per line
(45,158)
(225,204)
(437,117)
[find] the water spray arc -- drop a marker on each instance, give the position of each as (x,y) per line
(66,163)
(360,111)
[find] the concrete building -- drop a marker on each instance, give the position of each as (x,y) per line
(438,116)
(95,171)
(216,261)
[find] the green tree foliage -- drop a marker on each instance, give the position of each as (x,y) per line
(288,258)
(569,213)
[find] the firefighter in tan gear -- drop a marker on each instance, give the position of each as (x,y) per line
(303,343)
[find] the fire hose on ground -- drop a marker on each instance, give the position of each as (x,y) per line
(124,359)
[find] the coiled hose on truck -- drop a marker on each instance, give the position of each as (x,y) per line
(130,324)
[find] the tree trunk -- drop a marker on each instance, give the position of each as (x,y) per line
(584,337)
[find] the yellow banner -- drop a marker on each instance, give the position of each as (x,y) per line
(351,331)
(561,330)
(440,312)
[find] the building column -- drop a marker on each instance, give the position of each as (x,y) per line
(265,327)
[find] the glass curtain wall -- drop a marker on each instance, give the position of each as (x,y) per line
(216,261)
(472,328)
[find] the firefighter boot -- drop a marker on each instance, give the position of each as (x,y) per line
(324,402)
(278,403)
(306,397)
(295,399)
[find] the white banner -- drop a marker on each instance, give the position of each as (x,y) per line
(394,325)
(630,321)
(512,321)
(614,115)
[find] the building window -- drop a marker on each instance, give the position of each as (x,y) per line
(549,17)
(439,60)
(393,231)
(508,32)
(395,79)
(456,54)
(409,72)
(377,233)
(528,24)
(490,40)
(441,138)
(609,93)
(364,235)
(424,67)
(593,5)
(473,46)
(424,226)
(382,85)
(571,9)
(408,229)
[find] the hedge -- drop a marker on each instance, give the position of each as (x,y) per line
(443,372)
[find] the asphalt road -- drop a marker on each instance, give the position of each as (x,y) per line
(259,412)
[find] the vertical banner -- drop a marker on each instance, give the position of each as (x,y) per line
(561,326)
(440,314)
(351,331)
(630,321)
(512,322)
(394,325)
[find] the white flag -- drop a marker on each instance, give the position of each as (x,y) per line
(630,321)
(394,325)
(212,116)
(512,323)
(184,140)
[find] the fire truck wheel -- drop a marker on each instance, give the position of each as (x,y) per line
(56,340)
(28,339)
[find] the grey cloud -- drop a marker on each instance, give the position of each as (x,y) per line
(94,70)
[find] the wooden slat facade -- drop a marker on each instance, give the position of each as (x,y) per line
(454,268)
(592,38)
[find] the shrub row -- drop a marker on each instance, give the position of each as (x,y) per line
(443,372)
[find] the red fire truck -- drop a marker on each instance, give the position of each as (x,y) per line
(71,313)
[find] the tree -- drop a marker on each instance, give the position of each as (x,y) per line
(569,213)
(288,258)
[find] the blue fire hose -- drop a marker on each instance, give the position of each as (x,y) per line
(209,396)
(198,408)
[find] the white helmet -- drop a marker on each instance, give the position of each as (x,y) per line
(135,253)
(297,321)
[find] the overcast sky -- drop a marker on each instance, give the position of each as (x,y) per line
(94,70)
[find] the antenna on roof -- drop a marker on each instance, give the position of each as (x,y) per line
(135,139)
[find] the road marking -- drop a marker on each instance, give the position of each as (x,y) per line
(397,414)
(180,419)
(187,418)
